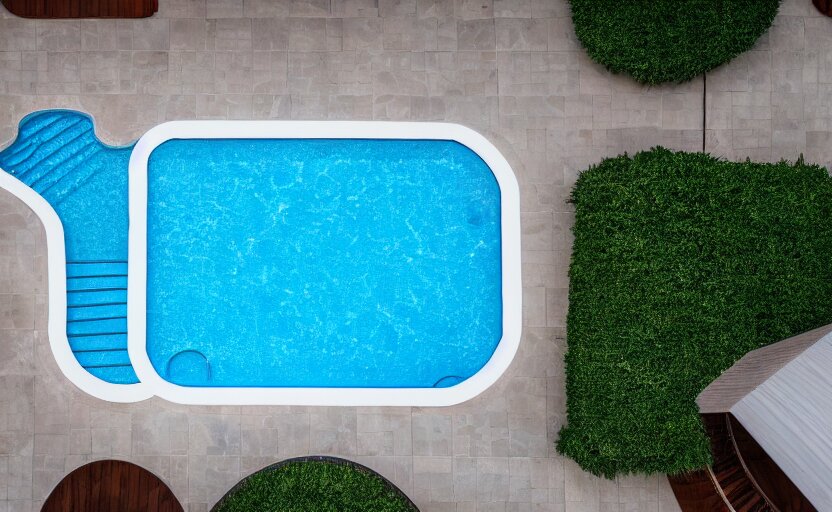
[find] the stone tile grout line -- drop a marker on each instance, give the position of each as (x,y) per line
(704,109)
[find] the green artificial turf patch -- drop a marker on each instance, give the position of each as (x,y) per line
(681,264)
(314,486)
(659,41)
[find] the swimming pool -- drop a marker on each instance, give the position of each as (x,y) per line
(319,263)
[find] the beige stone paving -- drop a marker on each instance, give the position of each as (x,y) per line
(508,68)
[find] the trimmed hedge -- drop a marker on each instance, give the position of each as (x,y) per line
(658,41)
(681,264)
(315,484)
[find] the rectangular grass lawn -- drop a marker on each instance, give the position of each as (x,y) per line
(682,263)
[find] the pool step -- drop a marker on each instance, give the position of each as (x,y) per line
(56,147)
(97,318)
(40,129)
(74,171)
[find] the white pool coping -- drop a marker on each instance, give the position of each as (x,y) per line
(423,397)
(56,282)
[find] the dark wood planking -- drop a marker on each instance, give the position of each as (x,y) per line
(824,6)
(728,471)
(696,492)
(111,486)
(95,483)
(82,8)
(112,492)
(135,488)
(776,486)
(699,491)
(742,478)
(143,497)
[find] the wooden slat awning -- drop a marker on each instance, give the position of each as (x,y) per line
(753,369)
(782,396)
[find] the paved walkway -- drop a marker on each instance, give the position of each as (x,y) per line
(508,68)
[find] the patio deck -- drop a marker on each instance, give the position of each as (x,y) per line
(510,69)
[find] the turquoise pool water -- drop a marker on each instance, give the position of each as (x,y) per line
(321,263)
(277,263)
(57,154)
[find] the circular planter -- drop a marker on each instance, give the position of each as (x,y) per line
(659,41)
(410,506)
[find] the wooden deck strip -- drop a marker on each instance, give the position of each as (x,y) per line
(81,8)
(111,486)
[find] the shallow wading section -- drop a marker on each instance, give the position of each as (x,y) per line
(223,302)
(77,186)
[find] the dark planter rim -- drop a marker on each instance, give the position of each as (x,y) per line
(320,458)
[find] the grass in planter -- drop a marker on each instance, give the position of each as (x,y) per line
(681,264)
(658,41)
(314,486)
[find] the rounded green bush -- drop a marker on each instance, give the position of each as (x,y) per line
(314,486)
(658,41)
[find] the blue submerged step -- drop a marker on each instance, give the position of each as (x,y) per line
(97,318)
(85,181)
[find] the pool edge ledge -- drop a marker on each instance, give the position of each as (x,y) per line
(56,301)
(511,283)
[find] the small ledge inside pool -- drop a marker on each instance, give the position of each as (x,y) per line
(189,367)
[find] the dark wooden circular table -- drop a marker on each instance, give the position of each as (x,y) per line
(111,486)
